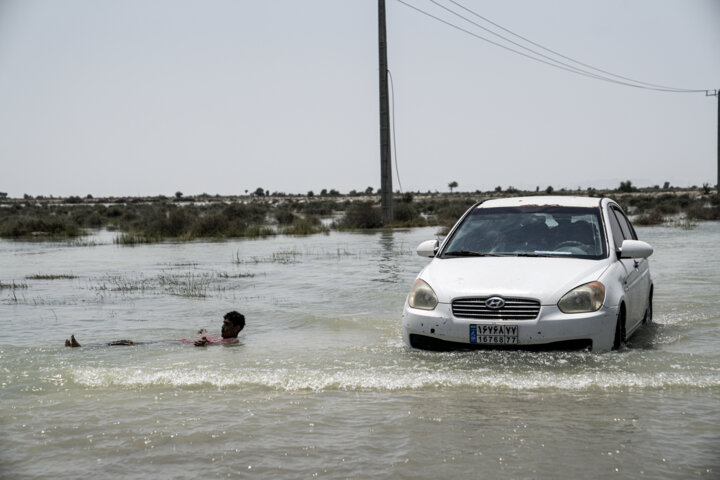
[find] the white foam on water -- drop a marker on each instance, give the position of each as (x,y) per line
(384,379)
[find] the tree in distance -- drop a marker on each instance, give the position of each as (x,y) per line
(626,187)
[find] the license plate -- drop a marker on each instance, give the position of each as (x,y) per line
(494,334)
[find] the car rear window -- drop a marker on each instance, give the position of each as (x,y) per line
(529,231)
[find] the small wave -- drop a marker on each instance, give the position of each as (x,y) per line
(390,379)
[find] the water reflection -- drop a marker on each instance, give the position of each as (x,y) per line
(388,265)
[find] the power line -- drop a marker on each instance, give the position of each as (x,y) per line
(392,131)
(544,58)
(553,60)
(565,56)
(552,63)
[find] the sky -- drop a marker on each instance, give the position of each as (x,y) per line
(136,97)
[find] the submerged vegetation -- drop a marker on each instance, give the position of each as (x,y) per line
(13,285)
(45,276)
(186,218)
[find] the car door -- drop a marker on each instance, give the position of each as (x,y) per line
(637,280)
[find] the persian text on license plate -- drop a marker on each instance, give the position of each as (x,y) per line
(494,334)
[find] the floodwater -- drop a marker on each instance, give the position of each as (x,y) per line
(321,384)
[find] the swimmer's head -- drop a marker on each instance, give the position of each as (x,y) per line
(233,323)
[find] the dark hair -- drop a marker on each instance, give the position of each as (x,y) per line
(238,319)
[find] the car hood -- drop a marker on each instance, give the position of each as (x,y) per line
(546,279)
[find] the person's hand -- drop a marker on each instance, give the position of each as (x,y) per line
(202,342)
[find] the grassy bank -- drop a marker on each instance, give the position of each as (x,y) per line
(153,219)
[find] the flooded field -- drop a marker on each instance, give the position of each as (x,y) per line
(321,384)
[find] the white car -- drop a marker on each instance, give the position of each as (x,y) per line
(532,272)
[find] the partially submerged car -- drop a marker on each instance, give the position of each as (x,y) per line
(528,272)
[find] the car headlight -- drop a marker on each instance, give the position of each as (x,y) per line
(422,296)
(585,298)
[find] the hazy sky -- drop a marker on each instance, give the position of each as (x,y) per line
(139,97)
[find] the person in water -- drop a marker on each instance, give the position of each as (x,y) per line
(233,323)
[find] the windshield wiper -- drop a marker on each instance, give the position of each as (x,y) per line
(470,253)
(542,254)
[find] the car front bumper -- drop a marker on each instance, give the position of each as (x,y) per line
(551,326)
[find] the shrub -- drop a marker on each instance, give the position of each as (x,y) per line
(653,217)
(213,225)
(405,212)
(361,215)
(305,226)
(319,207)
(258,231)
(449,212)
(24,226)
(703,212)
(285,217)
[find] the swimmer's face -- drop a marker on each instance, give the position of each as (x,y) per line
(229,330)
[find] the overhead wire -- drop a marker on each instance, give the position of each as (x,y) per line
(542,58)
(553,63)
(392,96)
(564,56)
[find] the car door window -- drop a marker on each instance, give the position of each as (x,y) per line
(616,230)
(627,230)
(627,225)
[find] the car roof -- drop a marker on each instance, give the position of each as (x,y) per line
(560,201)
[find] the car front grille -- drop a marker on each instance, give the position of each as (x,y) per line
(514,309)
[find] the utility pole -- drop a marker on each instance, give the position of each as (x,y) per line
(717,95)
(386,197)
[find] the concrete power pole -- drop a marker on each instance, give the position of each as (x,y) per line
(386,197)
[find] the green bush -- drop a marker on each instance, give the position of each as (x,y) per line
(24,226)
(406,214)
(449,213)
(361,216)
(653,217)
(703,212)
(213,225)
(305,226)
(285,217)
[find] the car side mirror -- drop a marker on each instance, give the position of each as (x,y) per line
(428,248)
(635,249)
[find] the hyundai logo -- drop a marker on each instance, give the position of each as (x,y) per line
(495,303)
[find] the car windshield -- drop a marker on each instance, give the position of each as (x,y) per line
(529,231)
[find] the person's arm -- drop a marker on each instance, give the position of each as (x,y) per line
(211,340)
